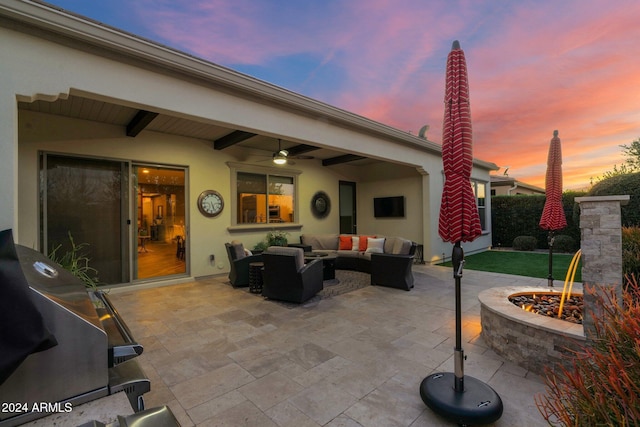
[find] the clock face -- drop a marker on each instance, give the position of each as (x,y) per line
(210,203)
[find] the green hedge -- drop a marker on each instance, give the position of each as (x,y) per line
(631,251)
(513,216)
(622,185)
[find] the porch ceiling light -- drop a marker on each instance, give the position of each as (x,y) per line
(280,158)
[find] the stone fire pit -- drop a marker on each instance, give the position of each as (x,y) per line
(527,339)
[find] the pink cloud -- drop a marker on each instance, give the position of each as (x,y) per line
(533,66)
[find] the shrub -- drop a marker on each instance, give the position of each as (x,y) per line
(277,238)
(274,238)
(525,243)
(621,185)
(564,243)
(261,246)
(602,385)
(631,251)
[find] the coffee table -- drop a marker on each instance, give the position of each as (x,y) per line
(328,263)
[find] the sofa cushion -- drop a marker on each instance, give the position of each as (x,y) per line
(355,240)
(388,244)
(345,243)
(238,249)
(375,245)
(401,246)
(348,254)
(320,241)
(364,240)
(294,252)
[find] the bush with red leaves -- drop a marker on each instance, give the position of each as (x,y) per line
(602,387)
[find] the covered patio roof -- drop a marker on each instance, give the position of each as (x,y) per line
(79,32)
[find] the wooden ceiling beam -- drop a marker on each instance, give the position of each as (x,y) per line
(301,149)
(341,159)
(233,138)
(140,121)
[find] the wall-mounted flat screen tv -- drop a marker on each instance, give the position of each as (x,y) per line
(388,207)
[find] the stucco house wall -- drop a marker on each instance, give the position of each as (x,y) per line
(47,54)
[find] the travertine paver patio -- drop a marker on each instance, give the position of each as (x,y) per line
(220,356)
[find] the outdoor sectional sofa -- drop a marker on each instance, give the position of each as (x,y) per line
(387,259)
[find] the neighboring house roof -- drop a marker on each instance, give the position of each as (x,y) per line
(507,181)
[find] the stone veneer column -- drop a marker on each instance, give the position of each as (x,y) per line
(601,244)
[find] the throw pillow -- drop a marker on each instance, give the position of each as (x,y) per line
(355,243)
(238,249)
(375,246)
(345,243)
(401,246)
(363,243)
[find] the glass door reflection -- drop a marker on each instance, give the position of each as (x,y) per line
(160,222)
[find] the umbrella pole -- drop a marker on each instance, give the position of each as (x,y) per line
(550,240)
(457,259)
(470,401)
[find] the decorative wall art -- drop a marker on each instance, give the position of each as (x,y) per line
(320,205)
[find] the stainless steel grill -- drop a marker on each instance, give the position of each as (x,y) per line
(95,352)
(121,344)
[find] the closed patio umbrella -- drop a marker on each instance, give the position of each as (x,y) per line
(459,219)
(553,218)
(470,401)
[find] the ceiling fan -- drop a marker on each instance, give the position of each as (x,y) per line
(280,156)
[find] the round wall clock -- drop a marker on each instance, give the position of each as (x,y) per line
(210,203)
(320,204)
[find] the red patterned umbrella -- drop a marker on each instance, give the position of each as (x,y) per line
(469,401)
(459,219)
(553,213)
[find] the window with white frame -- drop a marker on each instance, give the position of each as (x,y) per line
(264,195)
(480,191)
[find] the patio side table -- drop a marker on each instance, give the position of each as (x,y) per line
(255,277)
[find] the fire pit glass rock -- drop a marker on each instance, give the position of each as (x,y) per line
(548,304)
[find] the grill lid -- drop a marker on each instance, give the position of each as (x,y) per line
(23,330)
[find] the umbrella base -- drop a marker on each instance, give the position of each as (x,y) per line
(477,404)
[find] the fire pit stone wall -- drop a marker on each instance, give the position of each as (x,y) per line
(529,340)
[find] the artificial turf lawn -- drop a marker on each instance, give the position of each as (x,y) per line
(530,264)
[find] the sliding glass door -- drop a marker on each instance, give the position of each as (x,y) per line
(128,219)
(161,232)
(85,202)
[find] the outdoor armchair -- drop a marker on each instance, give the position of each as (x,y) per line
(392,271)
(239,261)
(287,277)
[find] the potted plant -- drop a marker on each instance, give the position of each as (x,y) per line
(277,238)
(273,238)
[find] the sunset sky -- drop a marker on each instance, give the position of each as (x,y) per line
(534,65)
